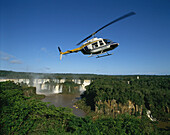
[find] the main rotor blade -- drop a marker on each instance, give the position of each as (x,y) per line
(118,19)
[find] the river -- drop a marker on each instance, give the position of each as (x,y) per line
(65,100)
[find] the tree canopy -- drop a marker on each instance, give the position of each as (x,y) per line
(21,114)
(150,91)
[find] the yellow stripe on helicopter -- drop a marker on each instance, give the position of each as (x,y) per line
(76,49)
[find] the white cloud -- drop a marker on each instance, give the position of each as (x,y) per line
(5,58)
(9,58)
(15,62)
(44,49)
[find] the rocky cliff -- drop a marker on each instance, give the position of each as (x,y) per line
(112,108)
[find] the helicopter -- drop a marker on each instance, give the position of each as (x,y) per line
(96,46)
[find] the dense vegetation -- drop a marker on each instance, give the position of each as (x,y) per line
(22,114)
(152,92)
(70,87)
(30,75)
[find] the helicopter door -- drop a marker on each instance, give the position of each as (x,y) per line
(101,42)
(95,45)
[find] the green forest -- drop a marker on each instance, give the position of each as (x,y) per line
(150,92)
(23,112)
(30,75)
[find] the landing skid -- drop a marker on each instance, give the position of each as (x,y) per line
(108,54)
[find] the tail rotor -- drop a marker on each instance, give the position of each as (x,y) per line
(60,53)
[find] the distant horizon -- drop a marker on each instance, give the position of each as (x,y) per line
(88,73)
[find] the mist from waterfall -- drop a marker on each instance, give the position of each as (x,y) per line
(52,86)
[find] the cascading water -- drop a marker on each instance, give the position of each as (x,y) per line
(61,89)
(51,86)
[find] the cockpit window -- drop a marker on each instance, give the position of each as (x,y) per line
(107,41)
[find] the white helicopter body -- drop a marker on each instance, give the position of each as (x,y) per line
(96,46)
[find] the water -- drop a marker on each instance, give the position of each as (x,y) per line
(65,100)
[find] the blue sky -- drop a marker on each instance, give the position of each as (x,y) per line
(31,31)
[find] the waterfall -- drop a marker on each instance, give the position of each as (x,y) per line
(61,89)
(50,86)
(148,113)
(56,89)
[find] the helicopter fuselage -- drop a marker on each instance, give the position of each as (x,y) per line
(98,46)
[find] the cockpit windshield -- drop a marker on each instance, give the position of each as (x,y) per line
(107,41)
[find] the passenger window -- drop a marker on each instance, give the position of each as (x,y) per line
(101,43)
(94,45)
